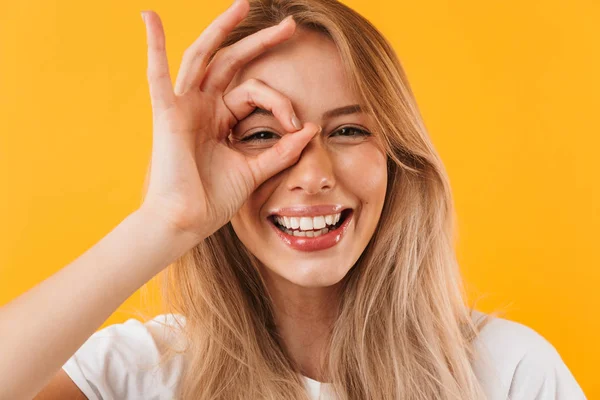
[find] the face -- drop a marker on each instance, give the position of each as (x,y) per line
(310,223)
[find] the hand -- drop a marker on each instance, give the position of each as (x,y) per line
(196,182)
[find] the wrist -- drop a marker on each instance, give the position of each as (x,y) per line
(177,239)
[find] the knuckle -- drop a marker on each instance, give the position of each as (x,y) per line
(256,172)
(192,53)
(263,45)
(251,89)
(157,46)
(156,74)
(253,85)
(231,62)
(187,54)
(253,82)
(220,30)
(249,98)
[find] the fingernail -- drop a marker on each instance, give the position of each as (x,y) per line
(296,122)
(143,16)
(283,21)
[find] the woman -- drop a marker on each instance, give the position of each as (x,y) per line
(308,221)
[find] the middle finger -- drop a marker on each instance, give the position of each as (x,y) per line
(229,60)
(195,58)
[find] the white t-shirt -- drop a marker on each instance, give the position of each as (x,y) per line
(121,362)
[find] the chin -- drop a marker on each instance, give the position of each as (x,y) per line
(309,273)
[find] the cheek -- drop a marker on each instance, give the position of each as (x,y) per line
(363,170)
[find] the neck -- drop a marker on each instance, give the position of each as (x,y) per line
(304,319)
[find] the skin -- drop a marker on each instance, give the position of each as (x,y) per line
(332,169)
(198,181)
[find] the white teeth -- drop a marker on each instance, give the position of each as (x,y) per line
(321,232)
(294,222)
(306,223)
(318,222)
(307,233)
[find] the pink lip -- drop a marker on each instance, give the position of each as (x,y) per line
(307,211)
(322,242)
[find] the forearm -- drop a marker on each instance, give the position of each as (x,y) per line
(43,327)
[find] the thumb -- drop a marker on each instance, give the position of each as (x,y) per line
(283,154)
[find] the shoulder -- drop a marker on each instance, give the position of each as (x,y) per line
(125,360)
(516,362)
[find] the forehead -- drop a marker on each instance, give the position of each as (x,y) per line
(307,69)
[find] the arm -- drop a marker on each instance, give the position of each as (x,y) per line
(61,387)
(42,328)
(185,202)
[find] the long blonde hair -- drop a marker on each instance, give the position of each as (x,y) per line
(403,329)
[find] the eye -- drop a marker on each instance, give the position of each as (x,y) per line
(351,132)
(259,136)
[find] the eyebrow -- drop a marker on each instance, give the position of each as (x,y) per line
(351,109)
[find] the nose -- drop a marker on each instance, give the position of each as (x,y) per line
(313,173)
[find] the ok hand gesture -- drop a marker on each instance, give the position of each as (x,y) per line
(197,182)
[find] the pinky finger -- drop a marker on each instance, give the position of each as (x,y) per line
(159,79)
(283,154)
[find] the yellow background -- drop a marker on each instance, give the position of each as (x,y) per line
(508,90)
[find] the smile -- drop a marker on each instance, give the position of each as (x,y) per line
(311,233)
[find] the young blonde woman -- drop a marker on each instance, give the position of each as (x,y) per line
(306,222)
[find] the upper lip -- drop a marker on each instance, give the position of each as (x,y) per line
(307,211)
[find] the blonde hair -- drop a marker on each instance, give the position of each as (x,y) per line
(403,329)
